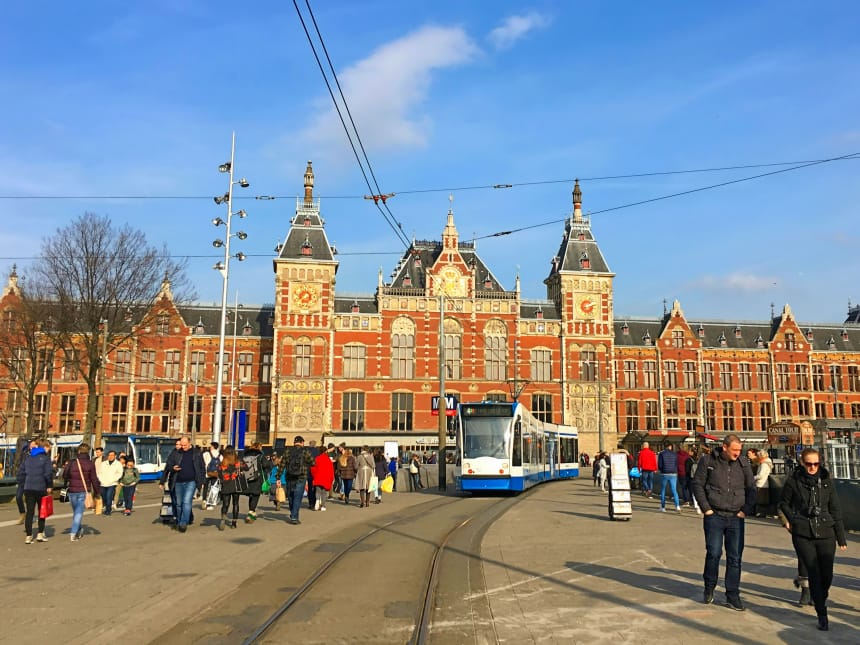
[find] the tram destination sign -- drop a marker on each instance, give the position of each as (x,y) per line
(450,405)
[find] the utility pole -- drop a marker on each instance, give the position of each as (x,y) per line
(443,403)
(97,431)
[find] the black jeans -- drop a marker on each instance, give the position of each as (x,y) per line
(225,503)
(31,501)
(818,557)
(19,498)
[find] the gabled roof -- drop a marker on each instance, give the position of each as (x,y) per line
(306,240)
(411,270)
(206,320)
(578,252)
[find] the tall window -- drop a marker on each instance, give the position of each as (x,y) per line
(784,408)
(790,344)
(67,412)
(691,406)
(728,416)
(588,365)
(801,374)
(263,420)
(542,407)
(122,365)
(70,370)
(266,369)
(836,378)
(745,377)
(302,359)
(678,338)
(820,410)
(649,373)
(354,361)
(763,370)
(782,377)
(690,375)
(353,411)
(708,375)
(401,411)
(765,413)
(541,364)
(18,367)
(147,364)
(630,374)
(143,412)
(726,376)
(453,349)
(403,348)
(747,416)
(162,325)
(198,366)
(818,378)
(172,358)
(244,367)
(651,418)
(195,412)
(853,378)
(495,351)
(672,412)
(803,407)
(40,412)
(711,414)
(631,416)
(119,413)
(670,374)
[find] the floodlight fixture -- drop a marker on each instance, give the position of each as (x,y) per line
(225,167)
(241,235)
(217,244)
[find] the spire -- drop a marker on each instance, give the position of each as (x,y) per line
(165,291)
(309,184)
(577,202)
(12,283)
(450,237)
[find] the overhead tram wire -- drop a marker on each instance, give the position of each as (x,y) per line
(355,128)
(849,157)
(671,195)
(390,220)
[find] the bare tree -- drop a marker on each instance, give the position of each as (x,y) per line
(26,352)
(104,282)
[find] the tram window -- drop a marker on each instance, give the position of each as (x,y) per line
(518,445)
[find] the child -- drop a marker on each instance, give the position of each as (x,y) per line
(128,481)
(120,504)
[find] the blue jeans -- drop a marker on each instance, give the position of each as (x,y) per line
(719,529)
(672,480)
(128,496)
(295,491)
(647,480)
(77,501)
(107,498)
(184,492)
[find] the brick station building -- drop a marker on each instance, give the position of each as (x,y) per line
(363,369)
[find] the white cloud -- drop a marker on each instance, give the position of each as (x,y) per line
(745,282)
(516,27)
(385,90)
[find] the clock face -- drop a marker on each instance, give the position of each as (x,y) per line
(586,307)
(305,296)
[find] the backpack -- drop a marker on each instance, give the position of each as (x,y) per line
(295,463)
(252,473)
(213,465)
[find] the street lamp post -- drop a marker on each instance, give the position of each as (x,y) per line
(443,404)
(231,423)
(223,268)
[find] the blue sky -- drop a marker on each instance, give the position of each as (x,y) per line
(116,99)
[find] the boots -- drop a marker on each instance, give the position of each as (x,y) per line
(222,522)
(805,596)
(822,622)
(233,524)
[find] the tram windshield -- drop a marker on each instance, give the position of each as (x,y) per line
(147,450)
(486,437)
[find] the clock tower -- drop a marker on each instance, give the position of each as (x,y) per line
(580,285)
(303,327)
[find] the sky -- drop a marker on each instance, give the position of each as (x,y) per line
(126,110)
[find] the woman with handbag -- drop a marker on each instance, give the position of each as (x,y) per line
(809,510)
(366,470)
(346,468)
(36,477)
(232,483)
(381,467)
(83,484)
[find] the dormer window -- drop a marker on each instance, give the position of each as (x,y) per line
(581,237)
(246,329)
(539,313)
(722,340)
(354,306)
(488,283)
(831,343)
(307,221)
(844,334)
(307,249)
(200,329)
(417,260)
(584,262)
(625,329)
(407,281)
(737,331)
(700,331)
(647,338)
(759,341)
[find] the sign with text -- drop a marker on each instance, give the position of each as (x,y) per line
(450,405)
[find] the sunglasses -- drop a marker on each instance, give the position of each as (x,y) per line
(812,464)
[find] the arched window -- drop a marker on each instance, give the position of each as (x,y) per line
(453,348)
(403,348)
(495,351)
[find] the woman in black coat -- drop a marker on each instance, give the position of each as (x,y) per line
(810,511)
(36,479)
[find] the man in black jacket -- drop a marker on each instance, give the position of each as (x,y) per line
(185,472)
(725,490)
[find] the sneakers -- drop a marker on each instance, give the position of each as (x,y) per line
(662,509)
(708,598)
(322,508)
(678,509)
(292,521)
(317,505)
(735,602)
(74,537)
(40,537)
(126,512)
(29,540)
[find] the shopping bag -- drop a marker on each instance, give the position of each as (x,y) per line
(265,487)
(64,495)
(88,500)
(373,486)
(100,505)
(213,497)
(280,495)
(387,485)
(46,507)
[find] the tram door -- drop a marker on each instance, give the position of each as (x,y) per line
(550,455)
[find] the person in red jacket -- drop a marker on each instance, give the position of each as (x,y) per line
(647,466)
(323,476)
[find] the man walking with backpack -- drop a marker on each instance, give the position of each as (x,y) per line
(296,463)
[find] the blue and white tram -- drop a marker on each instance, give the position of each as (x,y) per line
(150,452)
(505,448)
